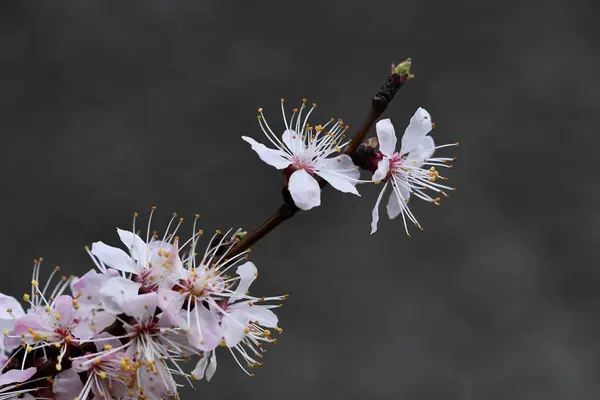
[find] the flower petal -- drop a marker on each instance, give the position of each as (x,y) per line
(375,213)
(340,172)
(9,302)
(170,300)
(262,314)
(419,126)
(293,141)
(64,308)
(136,246)
(113,257)
(247,273)
(386,135)
(90,321)
(206,332)
(275,158)
(67,385)
(108,339)
(394,207)
(232,327)
(206,367)
(383,167)
(16,376)
(116,292)
(305,190)
(212,366)
(87,288)
(421,152)
(141,307)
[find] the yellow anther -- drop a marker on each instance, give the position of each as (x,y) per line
(246,331)
(29,349)
(107,347)
(5,332)
(102,375)
(26,297)
(58,367)
(260,109)
(47,309)
(34,283)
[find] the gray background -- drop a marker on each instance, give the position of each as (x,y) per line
(111,107)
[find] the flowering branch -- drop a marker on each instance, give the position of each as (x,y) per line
(400,74)
(130,324)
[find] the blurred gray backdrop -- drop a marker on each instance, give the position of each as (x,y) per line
(110,107)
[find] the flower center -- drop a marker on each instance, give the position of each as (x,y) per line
(299,163)
(396,161)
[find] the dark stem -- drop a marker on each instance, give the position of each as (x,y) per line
(288,209)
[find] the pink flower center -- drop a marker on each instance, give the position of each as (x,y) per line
(396,162)
(302,164)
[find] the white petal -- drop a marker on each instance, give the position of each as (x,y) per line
(247,273)
(87,288)
(16,376)
(386,136)
(212,366)
(275,158)
(305,190)
(67,385)
(417,129)
(141,307)
(113,257)
(169,300)
(293,141)
(7,302)
(116,292)
(393,206)
(421,152)
(375,213)
(136,245)
(340,172)
(206,366)
(206,332)
(64,308)
(232,327)
(383,167)
(263,315)
(90,321)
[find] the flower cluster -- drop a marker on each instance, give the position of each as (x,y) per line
(127,329)
(304,152)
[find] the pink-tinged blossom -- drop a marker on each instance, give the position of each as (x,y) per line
(152,342)
(153,263)
(410,171)
(66,385)
(60,323)
(218,308)
(245,322)
(112,375)
(304,152)
(12,381)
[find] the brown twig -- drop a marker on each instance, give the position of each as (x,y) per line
(379,103)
